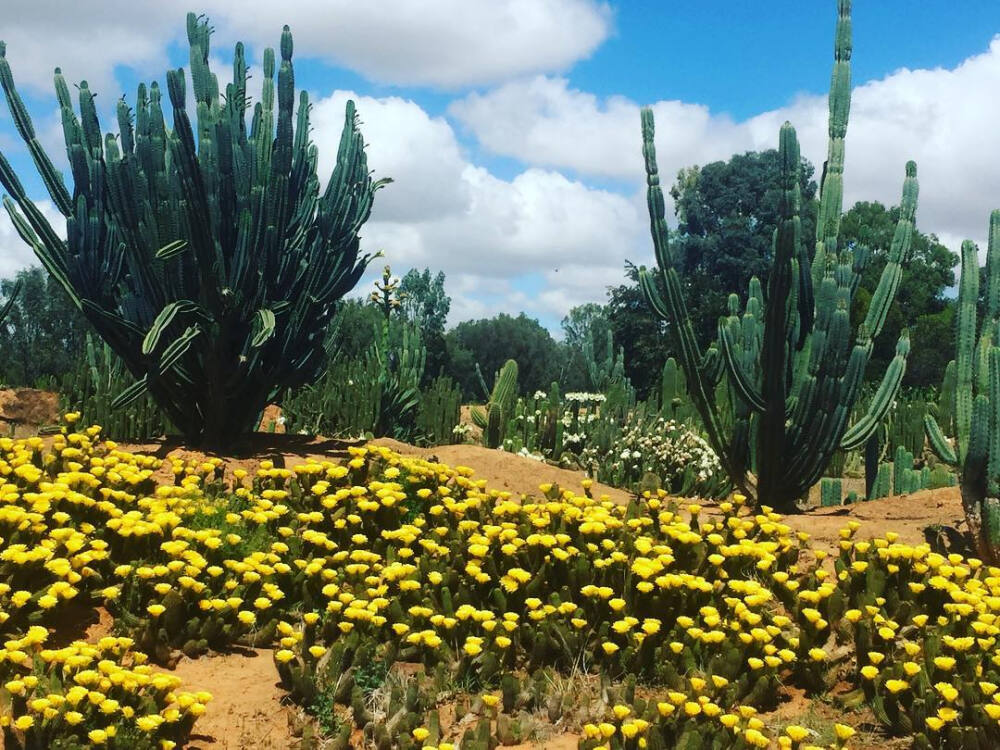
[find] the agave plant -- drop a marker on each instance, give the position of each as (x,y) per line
(205,254)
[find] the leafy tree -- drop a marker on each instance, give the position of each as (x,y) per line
(43,334)
(637,329)
(588,322)
(727,212)
(353,331)
(426,304)
(490,342)
(920,302)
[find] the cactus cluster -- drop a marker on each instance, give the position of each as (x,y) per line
(603,372)
(91,389)
(352,569)
(439,412)
(205,254)
(831,491)
(975,409)
(377,393)
(792,361)
(675,403)
(500,405)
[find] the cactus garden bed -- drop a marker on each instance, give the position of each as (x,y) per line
(402,602)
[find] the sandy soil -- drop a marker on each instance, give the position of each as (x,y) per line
(246,709)
(505,471)
(24,410)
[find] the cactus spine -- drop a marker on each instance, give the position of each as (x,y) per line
(976,409)
(792,397)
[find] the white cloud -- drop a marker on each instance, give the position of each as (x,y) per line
(87,42)
(441,43)
(418,152)
(444,212)
(942,118)
(446,43)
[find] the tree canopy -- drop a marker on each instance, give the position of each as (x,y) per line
(490,342)
(43,333)
(426,304)
(920,303)
(726,215)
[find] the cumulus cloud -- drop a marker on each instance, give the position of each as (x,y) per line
(441,43)
(445,43)
(940,118)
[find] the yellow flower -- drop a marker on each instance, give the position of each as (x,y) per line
(620,711)
(944,663)
(844,732)
(796,732)
(284,656)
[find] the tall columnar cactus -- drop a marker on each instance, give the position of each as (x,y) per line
(602,372)
(793,364)
(976,407)
(500,407)
(205,254)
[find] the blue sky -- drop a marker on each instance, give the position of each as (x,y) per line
(511,126)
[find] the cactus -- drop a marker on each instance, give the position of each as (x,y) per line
(830,491)
(906,425)
(439,412)
(602,373)
(674,400)
(946,400)
(902,463)
(882,485)
(100,376)
(793,365)
(500,406)
(205,255)
(976,405)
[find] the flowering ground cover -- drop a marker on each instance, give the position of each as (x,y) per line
(390,585)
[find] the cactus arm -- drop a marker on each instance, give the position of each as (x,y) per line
(832,183)
(482,381)
(22,121)
(862,254)
(711,366)
(993,267)
(968,294)
(946,399)
(938,442)
(738,376)
(674,308)
(865,427)
(888,283)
